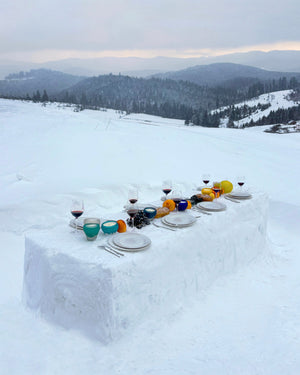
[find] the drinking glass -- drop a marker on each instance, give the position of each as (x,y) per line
(177,197)
(77,208)
(133,195)
(167,187)
(132,211)
(216,189)
(240,181)
(205,178)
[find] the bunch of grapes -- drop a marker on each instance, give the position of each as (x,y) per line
(196,199)
(139,221)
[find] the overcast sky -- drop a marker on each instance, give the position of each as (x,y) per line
(43,30)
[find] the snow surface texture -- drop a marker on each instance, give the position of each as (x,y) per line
(74,284)
(246,323)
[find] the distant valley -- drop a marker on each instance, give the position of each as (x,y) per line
(189,94)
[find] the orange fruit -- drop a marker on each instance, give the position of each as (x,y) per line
(170,204)
(189,205)
(122,226)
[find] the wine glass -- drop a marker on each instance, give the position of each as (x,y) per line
(205,178)
(132,211)
(167,187)
(176,197)
(216,188)
(77,208)
(133,195)
(240,181)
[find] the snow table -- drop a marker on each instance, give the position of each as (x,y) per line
(73,283)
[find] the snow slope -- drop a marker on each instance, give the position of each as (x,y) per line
(276,99)
(247,323)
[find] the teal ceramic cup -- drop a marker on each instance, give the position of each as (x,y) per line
(110,226)
(91,227)
(150,212)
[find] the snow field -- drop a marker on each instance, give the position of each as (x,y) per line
(246,323)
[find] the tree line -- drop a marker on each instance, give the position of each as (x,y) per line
(165,97)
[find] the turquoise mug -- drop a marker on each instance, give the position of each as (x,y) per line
(91,228)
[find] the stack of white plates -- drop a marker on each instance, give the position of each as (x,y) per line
(179,220)
(129,241)
(211,206)
(240,195)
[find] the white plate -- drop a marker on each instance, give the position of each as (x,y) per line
(211,206)
(131,240)
(240,195)
(119,248)
(179,220)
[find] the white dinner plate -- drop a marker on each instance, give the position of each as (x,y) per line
(240,194)
(211,206)
(179,220)
(131,241)
(119,248)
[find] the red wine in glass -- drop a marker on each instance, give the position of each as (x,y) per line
(76,214)
(133,196)
(240,181)
(132,212)
(216,190)
(206,178)
(167,187)
(77,209)
(167,191)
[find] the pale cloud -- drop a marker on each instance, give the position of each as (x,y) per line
(41,29)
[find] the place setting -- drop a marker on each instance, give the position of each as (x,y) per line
(122,236)
(239,194)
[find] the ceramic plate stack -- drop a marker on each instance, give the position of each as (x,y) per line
(212,206)
(130,241)
(240,195)
(179,220)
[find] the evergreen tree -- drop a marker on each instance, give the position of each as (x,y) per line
(45,97)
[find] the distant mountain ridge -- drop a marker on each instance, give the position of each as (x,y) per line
(225,74)
(23,83)
(287,61)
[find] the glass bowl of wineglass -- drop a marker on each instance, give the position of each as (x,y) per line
(77,209)
(240,181)
(132,211)
(206,179)
(216,188)
(166,188)
(176,197)
(133,195)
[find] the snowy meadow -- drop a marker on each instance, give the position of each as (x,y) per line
(246,323)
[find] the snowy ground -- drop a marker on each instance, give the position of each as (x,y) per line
(247,323)
(276,99)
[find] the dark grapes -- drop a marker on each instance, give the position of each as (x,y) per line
(139,221)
